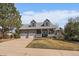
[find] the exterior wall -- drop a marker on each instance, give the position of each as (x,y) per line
(33,32)
(38,35)
(26,33)
(23,34)
(51,35)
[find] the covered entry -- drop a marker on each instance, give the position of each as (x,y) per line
(44,33)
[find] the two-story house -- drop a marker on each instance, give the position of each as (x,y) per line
(38,29)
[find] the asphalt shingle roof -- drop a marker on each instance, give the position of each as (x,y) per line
(38,26)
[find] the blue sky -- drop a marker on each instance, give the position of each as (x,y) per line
(31,11)
(48,6)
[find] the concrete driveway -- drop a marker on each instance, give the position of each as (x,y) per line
(14,47)
(17,48)
(17,43)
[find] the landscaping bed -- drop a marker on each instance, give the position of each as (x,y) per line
(47,43)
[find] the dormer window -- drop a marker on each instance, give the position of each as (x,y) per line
(33,23)
(46,23)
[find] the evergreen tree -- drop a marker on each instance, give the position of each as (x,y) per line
(72,28)
(9,17)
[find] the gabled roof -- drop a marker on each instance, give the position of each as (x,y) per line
(33,21)
(38,26)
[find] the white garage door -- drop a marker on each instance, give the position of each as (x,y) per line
(23,35)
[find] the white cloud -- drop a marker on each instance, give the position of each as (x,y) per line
(28,13)
(55,16)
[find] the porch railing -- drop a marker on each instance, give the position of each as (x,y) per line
(38,35)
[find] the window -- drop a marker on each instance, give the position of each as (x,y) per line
(51,31)
(46,22)
(38,31)
(33,23)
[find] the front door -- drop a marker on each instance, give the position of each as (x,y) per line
(44,33)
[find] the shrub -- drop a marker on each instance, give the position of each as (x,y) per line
(16,35)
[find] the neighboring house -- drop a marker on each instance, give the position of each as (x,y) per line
(38,29)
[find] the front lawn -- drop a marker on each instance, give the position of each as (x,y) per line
(53,44)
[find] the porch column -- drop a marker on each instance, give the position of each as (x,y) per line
(41,32)
(48,32)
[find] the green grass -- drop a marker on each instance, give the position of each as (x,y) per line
(47,43)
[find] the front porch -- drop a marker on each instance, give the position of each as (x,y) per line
(45,33)
(38,33)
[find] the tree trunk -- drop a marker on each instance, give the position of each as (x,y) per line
(3,33)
